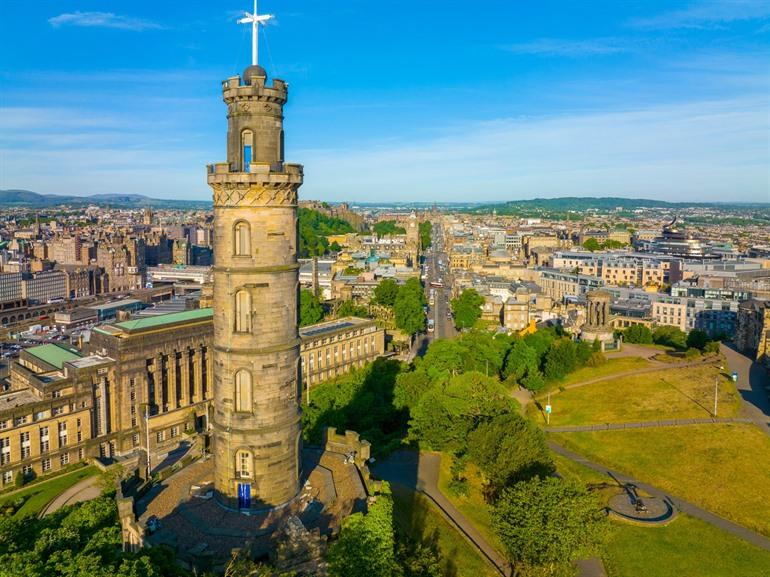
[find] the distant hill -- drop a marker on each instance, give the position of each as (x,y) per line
(29,199)
(604,204)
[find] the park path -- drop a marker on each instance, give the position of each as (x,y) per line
(644,425)
(419,472)
(753,387)
(657,367)
(682,505)
(85,490)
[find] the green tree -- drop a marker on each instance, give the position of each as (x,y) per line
(670,337)
(560,360)
(335,247)
(591,244)
(447,412)
(426,231)
(385,227)
(314,227)
(697,339)
(386,292)
(638,334)
(466,308)
(545,524)
(508,449)
(410,387)
(407,307)
(310,310)
(350,309)
(366,544)
(610,244)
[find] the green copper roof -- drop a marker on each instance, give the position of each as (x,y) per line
(53,354)
(167,319)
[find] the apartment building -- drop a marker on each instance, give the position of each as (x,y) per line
(333,348)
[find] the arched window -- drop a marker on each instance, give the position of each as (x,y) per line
(247,140)
(242,312)
(243,391)
(242,239)
(243,464)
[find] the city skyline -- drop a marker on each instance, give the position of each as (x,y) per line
(399,102)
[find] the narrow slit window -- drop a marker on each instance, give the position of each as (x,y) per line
(242,312)
(246,144)
(242,239)
(243,391)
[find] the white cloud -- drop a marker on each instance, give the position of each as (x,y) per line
(698,151)
(707,14)
(571,48)
(102,20)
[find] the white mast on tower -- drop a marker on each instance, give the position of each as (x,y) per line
(255,20)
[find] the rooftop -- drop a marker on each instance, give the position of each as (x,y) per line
(16,399)
(332,326)
(115,304)
(54,355)
(157,321)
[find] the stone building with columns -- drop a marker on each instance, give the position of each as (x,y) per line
(598,325)
(164,369)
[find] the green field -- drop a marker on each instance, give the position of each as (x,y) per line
(671,393)
(40,494)
(421,520)
(611,367)
(687,546)
(723,468)
(472,505)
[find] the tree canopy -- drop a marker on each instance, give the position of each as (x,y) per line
(426,231)
(546,523)
(310,309)
(639,334)
(447,413)
(388,227)
(366,544)
(79,541)
(508,448)
(466,308)
(350,309)
(314,227)
(386,292)
(407,307)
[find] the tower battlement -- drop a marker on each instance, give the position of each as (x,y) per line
(254,88)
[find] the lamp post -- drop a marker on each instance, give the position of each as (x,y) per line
(716,391)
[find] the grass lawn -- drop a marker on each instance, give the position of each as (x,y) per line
(671,393)
(611,367)
(722,468)
(415,514)
(472,505)
(40,494)
(687,546)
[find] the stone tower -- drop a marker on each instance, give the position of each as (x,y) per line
(597,325)
(256,420)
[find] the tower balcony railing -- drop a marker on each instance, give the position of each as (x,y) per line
(254,168)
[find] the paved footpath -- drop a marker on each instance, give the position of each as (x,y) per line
(85,490)
(753,386)
(419,472)
(644,425)
(682,505)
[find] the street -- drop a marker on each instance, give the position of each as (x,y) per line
(437,265)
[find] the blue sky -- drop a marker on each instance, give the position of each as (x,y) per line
(428,100)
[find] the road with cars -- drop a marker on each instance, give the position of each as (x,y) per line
(438,283)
